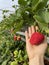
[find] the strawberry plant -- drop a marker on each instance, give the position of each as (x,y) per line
(29,12)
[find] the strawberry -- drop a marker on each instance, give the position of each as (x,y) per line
(36,38)
(19,38)
(15,37)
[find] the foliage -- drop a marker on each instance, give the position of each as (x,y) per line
(29,12)
(12,52)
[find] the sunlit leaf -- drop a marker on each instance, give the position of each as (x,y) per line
(38,4)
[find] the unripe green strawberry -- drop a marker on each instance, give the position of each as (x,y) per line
(37,38)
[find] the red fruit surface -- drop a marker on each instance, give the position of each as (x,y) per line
(15,37)
(37,38)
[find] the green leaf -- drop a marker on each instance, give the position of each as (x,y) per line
(42,17)
(38,4)
(18,13)
(14,63)
(13,6)
(4,62)
(41,22)
(25,63)
(22,2)
(4,16)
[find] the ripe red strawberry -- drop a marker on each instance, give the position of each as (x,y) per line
(36,38)
(15,37)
